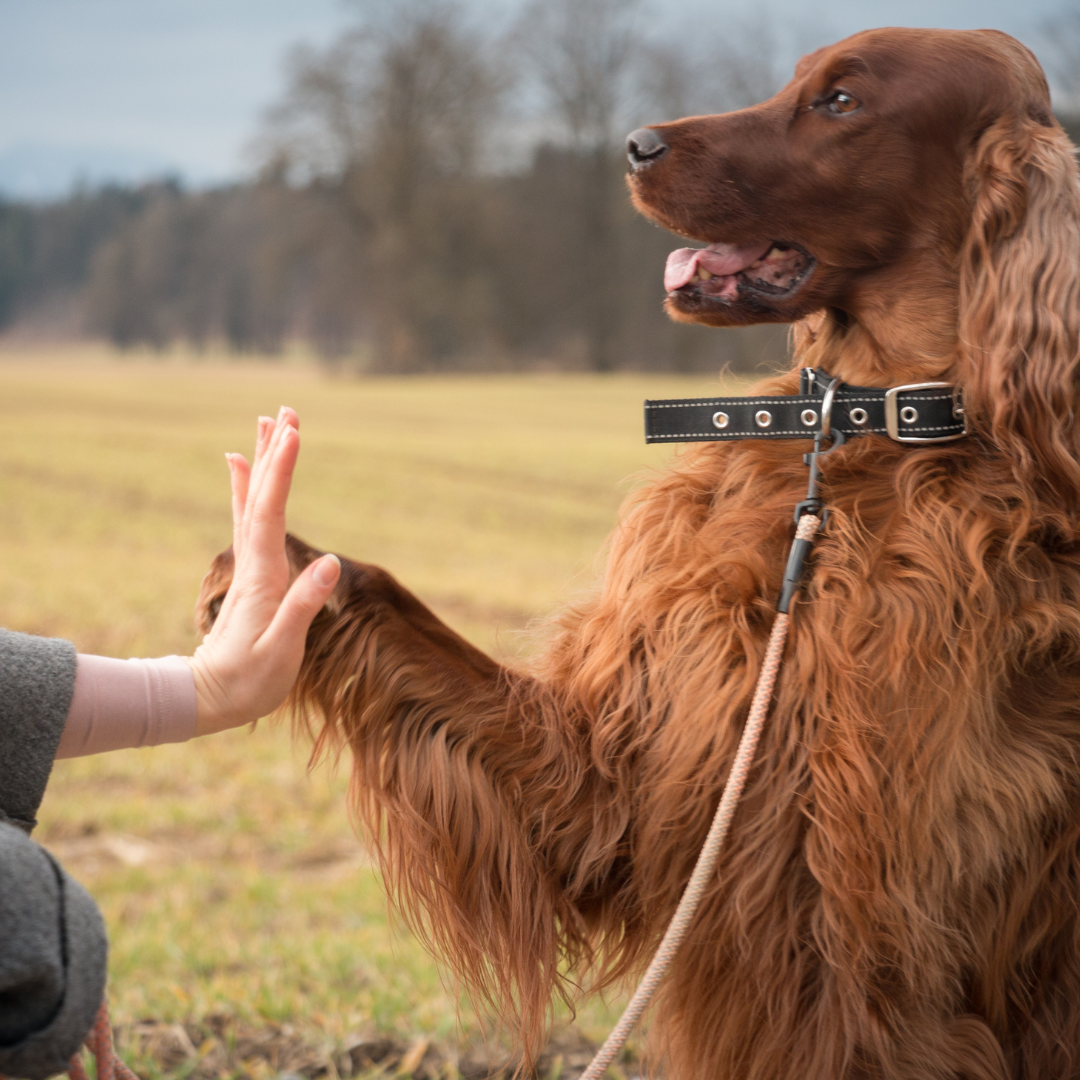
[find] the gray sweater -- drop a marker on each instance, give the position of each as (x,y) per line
(52,938)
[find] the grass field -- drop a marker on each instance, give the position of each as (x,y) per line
(240,904)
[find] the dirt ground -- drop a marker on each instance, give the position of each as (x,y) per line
(221,1048)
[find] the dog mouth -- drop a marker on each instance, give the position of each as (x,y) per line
(725,273)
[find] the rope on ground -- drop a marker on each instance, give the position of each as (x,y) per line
(710,852)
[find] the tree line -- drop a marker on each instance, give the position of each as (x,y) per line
(431,194)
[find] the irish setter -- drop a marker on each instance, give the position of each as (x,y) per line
(900,896)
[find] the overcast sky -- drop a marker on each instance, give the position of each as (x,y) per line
(182,83)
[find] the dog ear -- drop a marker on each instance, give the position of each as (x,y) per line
(1020,300)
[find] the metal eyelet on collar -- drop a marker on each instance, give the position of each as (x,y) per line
(808,417)
(908,415)
(763,418)
(858,417)
(720,420)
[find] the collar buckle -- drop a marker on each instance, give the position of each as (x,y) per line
(894,414)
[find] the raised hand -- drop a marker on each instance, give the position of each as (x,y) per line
(248,662)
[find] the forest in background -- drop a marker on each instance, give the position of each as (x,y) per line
(430,194)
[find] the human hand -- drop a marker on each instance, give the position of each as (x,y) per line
(248,662)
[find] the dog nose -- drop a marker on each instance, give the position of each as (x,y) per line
(644,146)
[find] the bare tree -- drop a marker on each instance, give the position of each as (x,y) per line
(715,69)
(393,116)
(581,56)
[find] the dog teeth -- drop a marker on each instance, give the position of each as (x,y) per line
(703,274)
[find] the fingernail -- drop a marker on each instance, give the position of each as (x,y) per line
(281,412)
(327,570)
(229,461)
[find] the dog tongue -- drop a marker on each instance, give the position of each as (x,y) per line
(720,260)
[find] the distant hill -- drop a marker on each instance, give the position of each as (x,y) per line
(39,172)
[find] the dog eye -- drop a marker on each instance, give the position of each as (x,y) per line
(841,102)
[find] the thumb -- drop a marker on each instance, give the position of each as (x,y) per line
(305,598)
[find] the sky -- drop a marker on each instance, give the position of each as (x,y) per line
(102,89)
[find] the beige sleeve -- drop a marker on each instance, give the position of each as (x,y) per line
(123,703)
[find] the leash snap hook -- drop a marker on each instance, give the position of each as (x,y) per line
(812,504)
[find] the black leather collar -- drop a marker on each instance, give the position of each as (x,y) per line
(918,413)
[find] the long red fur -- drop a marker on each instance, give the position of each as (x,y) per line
(900,895)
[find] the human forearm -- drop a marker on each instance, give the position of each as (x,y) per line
(125,703)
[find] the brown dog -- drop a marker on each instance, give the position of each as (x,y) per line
(900,897)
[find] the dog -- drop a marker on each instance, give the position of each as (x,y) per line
(900,893)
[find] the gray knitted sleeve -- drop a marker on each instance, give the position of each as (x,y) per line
(37,679)
(52,938)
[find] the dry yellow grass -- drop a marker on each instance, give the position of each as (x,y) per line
(229,875)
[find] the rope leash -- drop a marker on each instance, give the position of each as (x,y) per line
(706,862)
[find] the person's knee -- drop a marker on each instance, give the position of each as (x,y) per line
(52,960)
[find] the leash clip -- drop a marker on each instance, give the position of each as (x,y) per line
(812,504)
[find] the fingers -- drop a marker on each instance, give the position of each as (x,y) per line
(267,462)
(262,434)
(302,603)
(266,515)
(271,436)
(239,476)
(263,431)
(248,661)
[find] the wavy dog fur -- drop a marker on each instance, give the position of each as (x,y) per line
(900,896)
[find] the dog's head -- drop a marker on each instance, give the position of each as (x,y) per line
(910,198)
(857,163)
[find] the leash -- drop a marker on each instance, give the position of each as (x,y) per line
(710,851)
(825,409)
